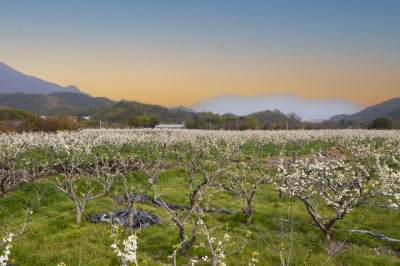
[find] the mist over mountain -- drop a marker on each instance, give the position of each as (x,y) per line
(18,90)
(12,81)
(306,109)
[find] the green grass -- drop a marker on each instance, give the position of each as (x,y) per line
(53,236)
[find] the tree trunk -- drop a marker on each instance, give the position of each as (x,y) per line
(182,235)
(123,148)
(249,217)
(215,260)
(96,165)
(33,166)
(280,193)
(80,208)
(164,149)
(185,249)
(78,216)
(327,234)
(130,222)
(190,181)
(177,157)
(51,156)
(325,228)
(187,244)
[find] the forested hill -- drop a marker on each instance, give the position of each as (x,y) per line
(123,110)
(58,103)
(268,116)
(13,114)
(78,104)
(100,108)
(389,108)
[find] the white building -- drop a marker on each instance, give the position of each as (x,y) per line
(170,126)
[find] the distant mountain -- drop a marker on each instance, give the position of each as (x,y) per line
(182,108)
(123,110)
(78,104)
(57,103)
(306,109)
(268,116)
(79,100)
(12,81)
(390,108)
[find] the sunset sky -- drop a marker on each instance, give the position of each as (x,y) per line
(174,53)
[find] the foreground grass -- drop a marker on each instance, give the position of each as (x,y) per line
(53,236)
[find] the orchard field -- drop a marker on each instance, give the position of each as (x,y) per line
(327,197)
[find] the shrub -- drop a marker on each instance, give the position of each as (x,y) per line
(243,127)
(381,123)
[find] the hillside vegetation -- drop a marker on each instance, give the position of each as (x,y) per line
(120,113)
(389,109)
(54,104)
(13,114)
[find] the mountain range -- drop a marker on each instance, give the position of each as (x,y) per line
(389,108)
(306,109)
(12,80)
(56,103)
(18,90)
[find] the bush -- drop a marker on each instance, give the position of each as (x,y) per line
(243,127)
(381,123)
(280,127)
(143,121)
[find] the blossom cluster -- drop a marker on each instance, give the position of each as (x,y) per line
(127,254)
(7,249)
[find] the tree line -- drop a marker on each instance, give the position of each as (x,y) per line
(19,120)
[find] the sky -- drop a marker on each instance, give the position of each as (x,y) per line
(178,52)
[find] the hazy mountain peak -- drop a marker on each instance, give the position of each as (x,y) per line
(12,81)
(182,108)
(307,109)
(72,88)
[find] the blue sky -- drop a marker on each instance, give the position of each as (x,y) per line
(199,49)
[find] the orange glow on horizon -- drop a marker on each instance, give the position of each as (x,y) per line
(187,83)
(181,53)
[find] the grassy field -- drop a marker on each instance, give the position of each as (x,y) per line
(53,236)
